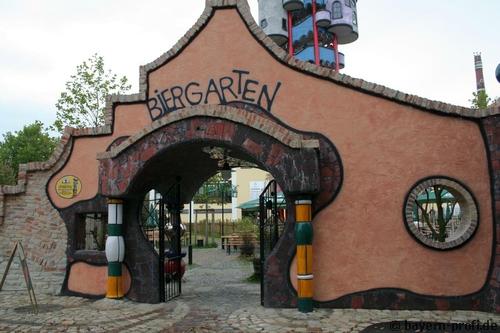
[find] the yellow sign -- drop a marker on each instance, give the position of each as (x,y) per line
(68,187)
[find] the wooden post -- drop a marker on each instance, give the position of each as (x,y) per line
(24,266)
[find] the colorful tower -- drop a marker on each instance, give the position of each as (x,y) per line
(311,30)
(478,63)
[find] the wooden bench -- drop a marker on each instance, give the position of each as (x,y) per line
(235,241)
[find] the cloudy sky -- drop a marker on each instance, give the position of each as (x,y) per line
(421,47)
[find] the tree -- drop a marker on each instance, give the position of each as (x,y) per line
(31,144)
(480,100)
(212,192)
(7,175)
(83,102)
(436,197)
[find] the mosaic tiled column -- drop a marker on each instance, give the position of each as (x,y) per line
(304,237)
(115,249)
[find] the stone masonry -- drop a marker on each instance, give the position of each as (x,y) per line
(29,217)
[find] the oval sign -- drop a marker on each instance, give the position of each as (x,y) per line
(68,187)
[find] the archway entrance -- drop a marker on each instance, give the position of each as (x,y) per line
(175,152)
(165,221)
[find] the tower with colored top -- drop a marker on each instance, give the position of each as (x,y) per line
(478,63)
(311,30)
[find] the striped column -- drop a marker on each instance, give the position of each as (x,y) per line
(115,249)
(304,237)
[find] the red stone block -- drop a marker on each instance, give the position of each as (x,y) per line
(253,147)
(442,304)
(148,153)
(476,305)
(215,130)
(496,164)
(357,302)
(275,155)
(327,172)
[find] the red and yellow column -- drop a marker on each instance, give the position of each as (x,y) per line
(304,237)
(115,249)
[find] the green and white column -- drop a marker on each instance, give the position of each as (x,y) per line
(115,249)
(304,237)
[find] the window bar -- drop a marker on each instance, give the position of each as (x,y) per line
(336,49)
(315,34)
(161,250)
(178,234)
(290,34)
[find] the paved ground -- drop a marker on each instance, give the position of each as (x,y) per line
(216,298)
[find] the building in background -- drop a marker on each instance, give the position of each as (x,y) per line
(246,184)
(478,64)
(311,30)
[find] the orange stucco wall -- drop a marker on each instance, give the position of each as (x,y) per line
(91,280)
(360,241)
(83,162)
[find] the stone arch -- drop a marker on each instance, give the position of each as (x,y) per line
(302,163)
(317,167)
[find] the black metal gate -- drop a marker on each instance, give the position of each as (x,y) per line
(161,224)
(271,220)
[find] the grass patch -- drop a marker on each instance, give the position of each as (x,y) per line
(245,258)
(206,246)
(253,279)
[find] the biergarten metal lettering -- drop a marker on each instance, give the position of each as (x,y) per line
(238,87)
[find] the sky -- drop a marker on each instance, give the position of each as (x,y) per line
(420,47)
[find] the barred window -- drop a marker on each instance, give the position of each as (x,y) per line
(91,231)
(337,10)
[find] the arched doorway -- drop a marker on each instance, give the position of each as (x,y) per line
(304,164)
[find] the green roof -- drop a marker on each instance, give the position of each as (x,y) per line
(445,197)
(253,205)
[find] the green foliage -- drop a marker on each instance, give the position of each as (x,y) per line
(480,100)
(248,231)
(213,190)
(436,223)
(84,101)
(209,245)
(246,225)
(31,144)
(7,175)
(254,278)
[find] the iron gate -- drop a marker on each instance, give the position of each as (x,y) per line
(271,221)
(161,224)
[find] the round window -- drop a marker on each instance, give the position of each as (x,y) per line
(441,213)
